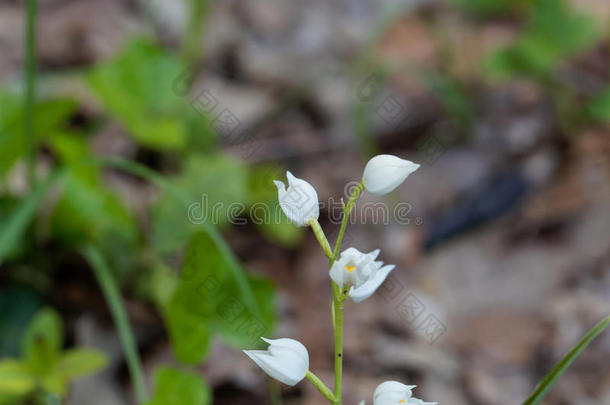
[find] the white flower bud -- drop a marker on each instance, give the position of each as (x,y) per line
(286,360)
(383,173)
(299,202)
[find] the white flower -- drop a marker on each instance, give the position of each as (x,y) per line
(383,173)
(360,272)
(299,202)
(395,393)
(285,360)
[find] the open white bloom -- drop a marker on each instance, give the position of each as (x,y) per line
(395,393)
(360,272)
(299,202)
(286,360)
(383,173)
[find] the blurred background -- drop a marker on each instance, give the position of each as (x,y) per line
(139,141)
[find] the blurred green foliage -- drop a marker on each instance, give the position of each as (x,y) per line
(209,300)
(494,8)
(600,106)
(89,211)
(208,189)
(139,88)
(553,33)
(178,387)
(51,115)
(44,366)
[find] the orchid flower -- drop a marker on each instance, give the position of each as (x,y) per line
(360,272)
(286,360)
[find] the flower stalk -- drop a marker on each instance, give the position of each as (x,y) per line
(338,317)
(339,297)
(319,233)
(328,394)
(353,198)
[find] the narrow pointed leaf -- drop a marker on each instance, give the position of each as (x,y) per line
(551,378)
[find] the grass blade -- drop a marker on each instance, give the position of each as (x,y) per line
(113,298)
(551,378)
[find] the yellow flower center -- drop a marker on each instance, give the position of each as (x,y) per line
(350,268)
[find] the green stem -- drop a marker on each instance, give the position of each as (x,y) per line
(328,394)
(339,297)
(338,317)
(190,47)
(30,87)
(346,212)
(111,293)
(319,233)
(275,392)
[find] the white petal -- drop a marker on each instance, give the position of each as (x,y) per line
(337,273)
(286,360)
(383,173)
(367,289)
(391,392)
(281,187)
(351,253)
(362,403)
(374,253)
(299,202)
(276,368)
(289,344)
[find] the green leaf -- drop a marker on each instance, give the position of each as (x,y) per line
(15,379)
(547,383)
(79,362)
(178,387)
(553,33)
(160,285)
(50,116)
(53,384)
(42,341)
(210,299)
(89,211)
(600,106)
(137,88)
(12,229)
(215,188)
